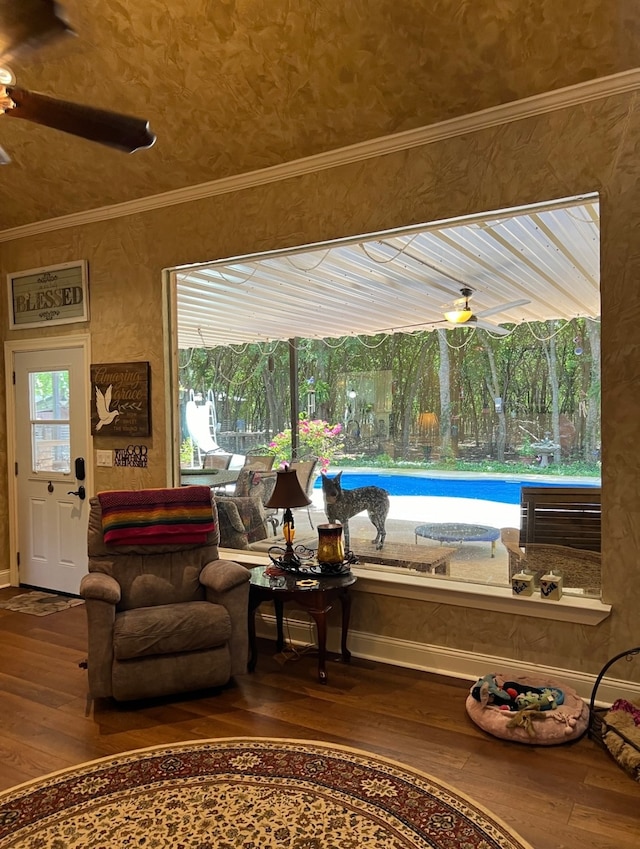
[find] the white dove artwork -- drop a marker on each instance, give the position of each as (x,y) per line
(103,402)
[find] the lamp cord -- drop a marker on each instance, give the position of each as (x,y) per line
(290,651)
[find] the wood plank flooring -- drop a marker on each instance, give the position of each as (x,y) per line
(563,797)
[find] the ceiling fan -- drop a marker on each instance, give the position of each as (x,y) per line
(27,25)
(461,314)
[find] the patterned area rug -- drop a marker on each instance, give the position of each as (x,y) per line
(239,793)
(38,603)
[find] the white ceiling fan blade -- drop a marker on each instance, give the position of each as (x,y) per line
(492,328)
(502,308)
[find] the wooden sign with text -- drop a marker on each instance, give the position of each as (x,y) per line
(53,295)
(120,399)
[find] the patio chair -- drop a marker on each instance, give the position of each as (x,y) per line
(242,521)
(216,460)
(306,471)
(579,568)
(259,461)
(261,486)
(510,539)
(254,485)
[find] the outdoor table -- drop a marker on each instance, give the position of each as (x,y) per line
(208,477)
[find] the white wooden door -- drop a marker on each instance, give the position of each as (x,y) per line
(52,457)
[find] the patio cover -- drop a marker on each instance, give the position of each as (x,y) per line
(400,281)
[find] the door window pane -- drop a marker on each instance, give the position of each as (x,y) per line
(49,425)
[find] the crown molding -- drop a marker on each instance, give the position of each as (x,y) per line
(506,113)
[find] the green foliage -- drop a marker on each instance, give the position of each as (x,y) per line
(251,383)
(450,464)
(186,453)
(316,438)
(385,461)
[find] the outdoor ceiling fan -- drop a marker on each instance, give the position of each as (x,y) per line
(27,25)
(460,313)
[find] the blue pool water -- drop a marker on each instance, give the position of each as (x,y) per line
(487,489)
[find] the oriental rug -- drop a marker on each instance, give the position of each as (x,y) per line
(39,603)
(246,793)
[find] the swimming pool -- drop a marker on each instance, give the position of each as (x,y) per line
(488,489)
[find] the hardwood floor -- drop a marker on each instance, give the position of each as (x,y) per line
(563,797)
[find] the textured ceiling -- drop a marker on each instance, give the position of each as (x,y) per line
(232,86)
(522,265)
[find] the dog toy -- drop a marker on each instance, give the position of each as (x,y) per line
(487,691)
(514,696)
(525,719)
(539,699)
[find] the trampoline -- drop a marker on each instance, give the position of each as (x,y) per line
(458,532)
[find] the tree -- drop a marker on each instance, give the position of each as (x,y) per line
(592,436)
(444,376)
(549,348)
(493,385)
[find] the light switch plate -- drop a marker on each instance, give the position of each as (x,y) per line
(104,458)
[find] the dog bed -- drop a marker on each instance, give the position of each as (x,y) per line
(543,713)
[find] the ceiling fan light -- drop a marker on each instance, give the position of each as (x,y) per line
(458,316)
(7,76)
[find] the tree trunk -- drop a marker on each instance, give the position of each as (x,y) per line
(494,387)
(273,406)
(552,364)
(592,434)
(445,394)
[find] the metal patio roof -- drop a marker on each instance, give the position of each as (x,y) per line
(400,281)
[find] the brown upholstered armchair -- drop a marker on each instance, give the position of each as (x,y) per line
(162,619)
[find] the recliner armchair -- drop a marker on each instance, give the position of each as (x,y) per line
(162,619)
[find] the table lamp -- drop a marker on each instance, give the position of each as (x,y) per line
(287,494)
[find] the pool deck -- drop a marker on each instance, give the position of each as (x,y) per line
(470,562)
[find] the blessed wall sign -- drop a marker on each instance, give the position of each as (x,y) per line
(53,295)
(120,399)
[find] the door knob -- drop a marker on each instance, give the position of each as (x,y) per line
(80,492)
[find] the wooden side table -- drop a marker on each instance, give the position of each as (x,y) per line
(318,600)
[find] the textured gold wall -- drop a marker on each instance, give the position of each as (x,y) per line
(234,86)
(593,147)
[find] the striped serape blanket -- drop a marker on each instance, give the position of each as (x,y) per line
(157,516)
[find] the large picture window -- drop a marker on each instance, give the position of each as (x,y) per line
(450,416)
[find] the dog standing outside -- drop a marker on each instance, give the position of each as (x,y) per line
(341,504)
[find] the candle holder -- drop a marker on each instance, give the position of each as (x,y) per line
(330,547)
(522,583)
(551,586)
(298,560)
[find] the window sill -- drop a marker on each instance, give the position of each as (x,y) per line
(577,609)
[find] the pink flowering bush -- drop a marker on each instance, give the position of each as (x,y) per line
(316,438)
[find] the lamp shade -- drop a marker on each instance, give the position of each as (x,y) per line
(427,421)
(287,491)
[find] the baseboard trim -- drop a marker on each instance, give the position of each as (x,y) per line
(5,578)
(440,660)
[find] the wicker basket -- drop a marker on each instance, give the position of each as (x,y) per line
(598,725)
